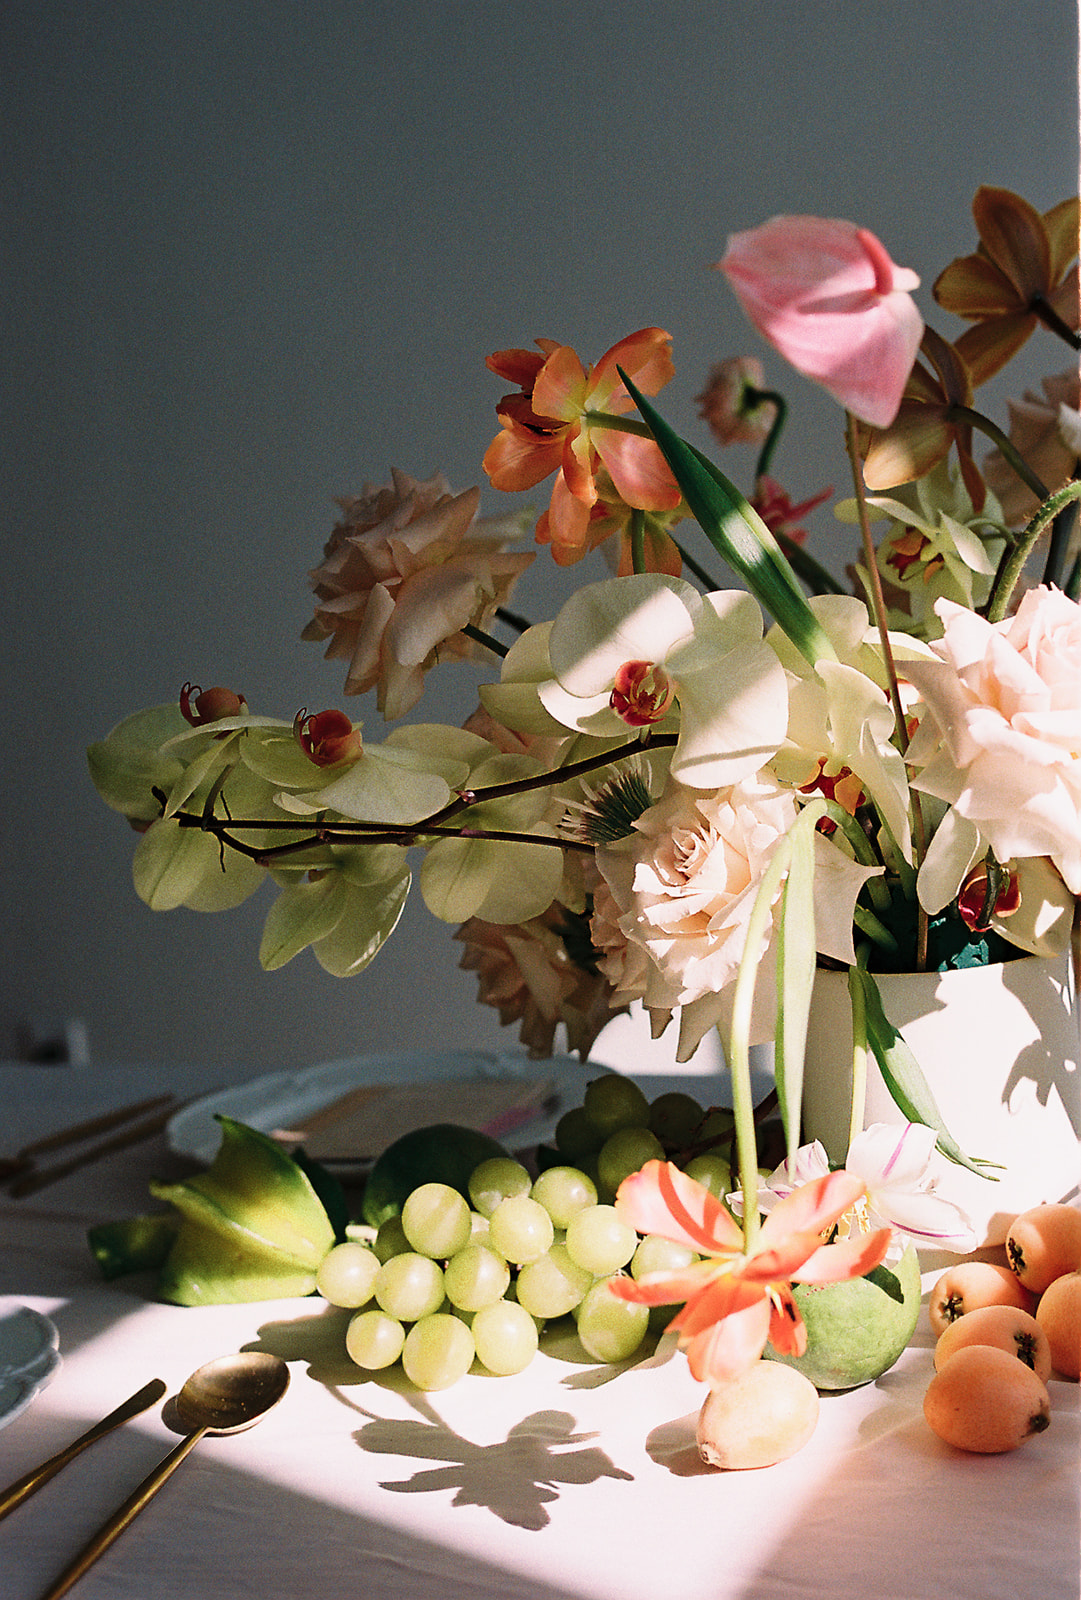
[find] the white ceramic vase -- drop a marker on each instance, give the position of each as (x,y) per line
(999,1047)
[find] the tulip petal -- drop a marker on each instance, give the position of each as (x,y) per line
(662,1199)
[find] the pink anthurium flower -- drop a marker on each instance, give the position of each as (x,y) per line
(826,294)
(737,1301)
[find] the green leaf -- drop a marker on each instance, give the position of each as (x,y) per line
(253,1226)
(738,533)
(902,1074)
(796,956)
(887,1281)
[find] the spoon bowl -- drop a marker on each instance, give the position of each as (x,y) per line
(231,1393)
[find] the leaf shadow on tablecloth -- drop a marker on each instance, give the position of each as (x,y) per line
(514,1478)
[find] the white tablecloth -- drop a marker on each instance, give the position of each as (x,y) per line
(568,1482)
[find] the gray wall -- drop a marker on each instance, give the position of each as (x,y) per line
(257,254)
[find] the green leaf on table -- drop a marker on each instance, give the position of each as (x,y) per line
(253,1227)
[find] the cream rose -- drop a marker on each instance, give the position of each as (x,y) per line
(1002,743)
(682,890)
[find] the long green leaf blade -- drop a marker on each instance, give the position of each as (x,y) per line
(738,533)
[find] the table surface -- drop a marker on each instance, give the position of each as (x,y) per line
(571,1481)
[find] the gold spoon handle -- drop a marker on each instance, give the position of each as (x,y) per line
(125,1514)
(24,1487)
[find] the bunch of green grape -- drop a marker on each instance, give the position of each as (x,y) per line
(450,1281)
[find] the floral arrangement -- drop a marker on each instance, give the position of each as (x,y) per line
(658,799)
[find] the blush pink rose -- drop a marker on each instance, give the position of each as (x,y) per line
(407,568)
(1002,745)
(827,296)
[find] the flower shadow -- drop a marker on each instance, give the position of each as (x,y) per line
(514,1479)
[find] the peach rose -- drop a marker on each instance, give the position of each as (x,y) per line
(1002,743)
(402,574)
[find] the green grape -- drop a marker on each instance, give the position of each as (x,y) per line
(599,1241)
(553,1284)
(347,1274)
(625,1152)
(497,1180)
(655,1254)
(478,1228)
(374,1340)
(505,1336)
(438,1350)
(712,1172)
(563,1191)
(718,1123)
(390,1239)
(613,1102)
(576,1136)
(520,1229)
(409,1286)
(474,1277)
(675,1117)
(610,1329)
(436,1220)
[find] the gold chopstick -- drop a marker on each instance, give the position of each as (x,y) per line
(37,1178)
(30,1482)
(13,1165)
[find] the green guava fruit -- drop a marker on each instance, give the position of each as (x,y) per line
(855,1330)
(443,1153)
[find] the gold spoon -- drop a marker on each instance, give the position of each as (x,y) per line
(224,1396)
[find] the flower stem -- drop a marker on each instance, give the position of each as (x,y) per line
(874,581)
(1012,564)
(708,583)
(1006,447)
(486,639)
(638,541)
(1051,320)
(859,1061)
(608,419)
(765,455)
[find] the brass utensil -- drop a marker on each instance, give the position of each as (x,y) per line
(30,1178)
(224,1396)
(25,1486)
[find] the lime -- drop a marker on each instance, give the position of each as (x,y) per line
(855,1330)
(443,1153)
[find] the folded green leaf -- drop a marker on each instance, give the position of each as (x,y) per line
(253,1227)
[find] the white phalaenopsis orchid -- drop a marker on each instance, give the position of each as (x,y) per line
(895,1164)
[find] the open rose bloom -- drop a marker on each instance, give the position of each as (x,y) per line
(1001,742)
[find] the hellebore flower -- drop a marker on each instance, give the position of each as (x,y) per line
(1024,273)
(733,404)
(561,421)
(735,1301)
(1046,431)
(827,296)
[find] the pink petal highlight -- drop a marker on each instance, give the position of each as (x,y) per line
(827,296)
